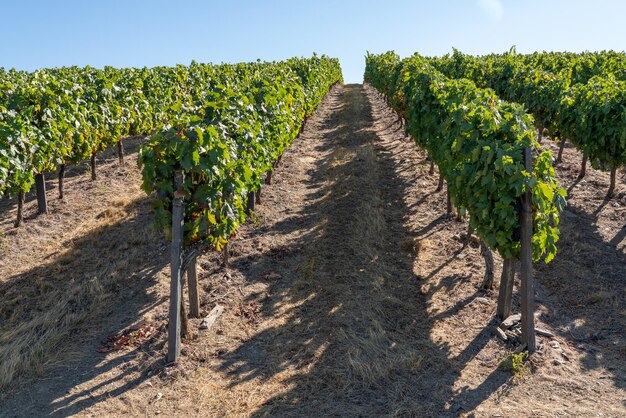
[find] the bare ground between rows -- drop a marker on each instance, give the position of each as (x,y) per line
(350,294)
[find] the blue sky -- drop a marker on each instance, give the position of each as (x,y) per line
(38,33)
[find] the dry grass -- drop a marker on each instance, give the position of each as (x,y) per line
(62,269)
(350,294)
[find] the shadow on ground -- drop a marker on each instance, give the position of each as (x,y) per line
(357,340)
(54,317)
(586,283)
(78,172)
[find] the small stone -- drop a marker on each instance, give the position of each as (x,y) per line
(501,334)
(558,362)
(513,336)
(520,349)
(210,319)
(544,333)
(483,301)
(510,321)
(554,344)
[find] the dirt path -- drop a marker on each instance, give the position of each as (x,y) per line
(351,294)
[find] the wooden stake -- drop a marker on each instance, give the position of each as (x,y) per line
(268,178)
(257,195)
(174,327)
(40,186)
(431,171)
(559,158)
(225,255)
(505,293)
(120,151)
(184,321)
(449,202)
(583,167)
(93,166)
(250,203)
(61,180)
(612,185)
(488,255)
(526,259)
(20,209)
(194,299)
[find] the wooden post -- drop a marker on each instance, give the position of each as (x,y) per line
(225,255)
(560,156)
(583,167)
(488,256)
(93,166)
(61,179)
(526,259)
(431,170)
(257,195)
(178,218)
(20,209)
(268,178)
(194,299)
(612,185)
(120,151)
(184,321)
(449,201)
(40,186)
(250,203)
(505,292)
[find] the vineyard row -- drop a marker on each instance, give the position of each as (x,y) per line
(53,117)
(578,97)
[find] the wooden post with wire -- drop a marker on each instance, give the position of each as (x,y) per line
(526,259)
(251,200)
(505,292)
(194,298)
(178,219)
(40,186)
(120,151)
